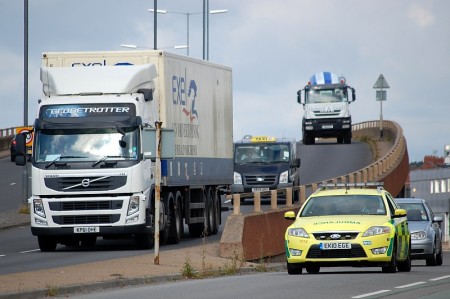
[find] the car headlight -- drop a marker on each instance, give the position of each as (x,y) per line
(298,232)
(284,177)
(133,206)
(377,230)
(421,235)
(237,179)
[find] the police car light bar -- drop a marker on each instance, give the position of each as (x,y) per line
(349,185)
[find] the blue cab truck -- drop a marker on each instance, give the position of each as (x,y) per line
(264,163)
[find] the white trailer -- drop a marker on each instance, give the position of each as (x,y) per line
(91,175)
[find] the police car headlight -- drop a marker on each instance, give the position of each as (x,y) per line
(237,179)
(377,230)
(421,235)
(298,232)
(284,177)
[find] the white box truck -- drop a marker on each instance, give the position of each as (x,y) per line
(326,108)
(91,166)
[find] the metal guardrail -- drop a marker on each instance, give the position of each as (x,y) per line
(7,132)
(393,134)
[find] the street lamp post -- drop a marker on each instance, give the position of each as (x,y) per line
(381,84)
(188,14)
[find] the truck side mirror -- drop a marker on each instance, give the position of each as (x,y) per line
(299,96)
(21,144)
(353,95)
(296,163)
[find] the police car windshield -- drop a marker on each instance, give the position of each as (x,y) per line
(261,153)
(344,205)
(326,95)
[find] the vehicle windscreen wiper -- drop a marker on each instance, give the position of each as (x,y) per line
(104,158)
(61,157)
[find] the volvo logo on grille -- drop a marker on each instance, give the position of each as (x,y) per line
(85,183)
(260,179)
(335,236)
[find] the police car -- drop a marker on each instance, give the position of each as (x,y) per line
(356,225)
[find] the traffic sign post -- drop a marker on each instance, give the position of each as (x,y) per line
(381,84)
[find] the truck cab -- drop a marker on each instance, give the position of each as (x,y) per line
(263,163)
(326,108)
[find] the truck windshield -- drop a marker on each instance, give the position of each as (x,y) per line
(86,144)
(264,153)
(326,95)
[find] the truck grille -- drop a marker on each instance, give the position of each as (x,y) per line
(86,219)
(86,205)
(84,184)
(260,180)
(314,252)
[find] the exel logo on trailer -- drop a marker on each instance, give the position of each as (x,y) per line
(185,97)
(100,63)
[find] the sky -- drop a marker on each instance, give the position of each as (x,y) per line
(273,47)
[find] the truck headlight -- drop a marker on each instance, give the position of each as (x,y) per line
(133,206)
(377,230)
(38,207)
(237,179)
(284,177)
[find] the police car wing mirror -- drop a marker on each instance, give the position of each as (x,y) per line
(290,215)
(399,213)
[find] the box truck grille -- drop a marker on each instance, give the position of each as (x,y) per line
(86,219)
(83,184)
(260,180)
(86,205)
(314,252)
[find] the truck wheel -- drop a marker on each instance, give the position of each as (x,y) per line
(46,244)
(348,139)
(175,220)
(144,241)
(217,211)
(210,211)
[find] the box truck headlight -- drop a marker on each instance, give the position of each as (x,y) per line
(133,206)
(237,179)
(284,177)
(38,207)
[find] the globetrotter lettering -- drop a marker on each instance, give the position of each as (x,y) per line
(82,111)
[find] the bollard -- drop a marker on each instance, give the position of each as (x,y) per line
(273,199)
(236,204)
(257,202)
(289,197)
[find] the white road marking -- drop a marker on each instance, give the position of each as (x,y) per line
(28,251)
(12,184)
(410,285)
(371,294)
(440,278)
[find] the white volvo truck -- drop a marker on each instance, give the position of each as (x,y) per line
(326,108)
(91,166)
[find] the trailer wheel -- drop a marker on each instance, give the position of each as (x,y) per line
(217,211)
(210,211)
(175,219)
(46,244)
